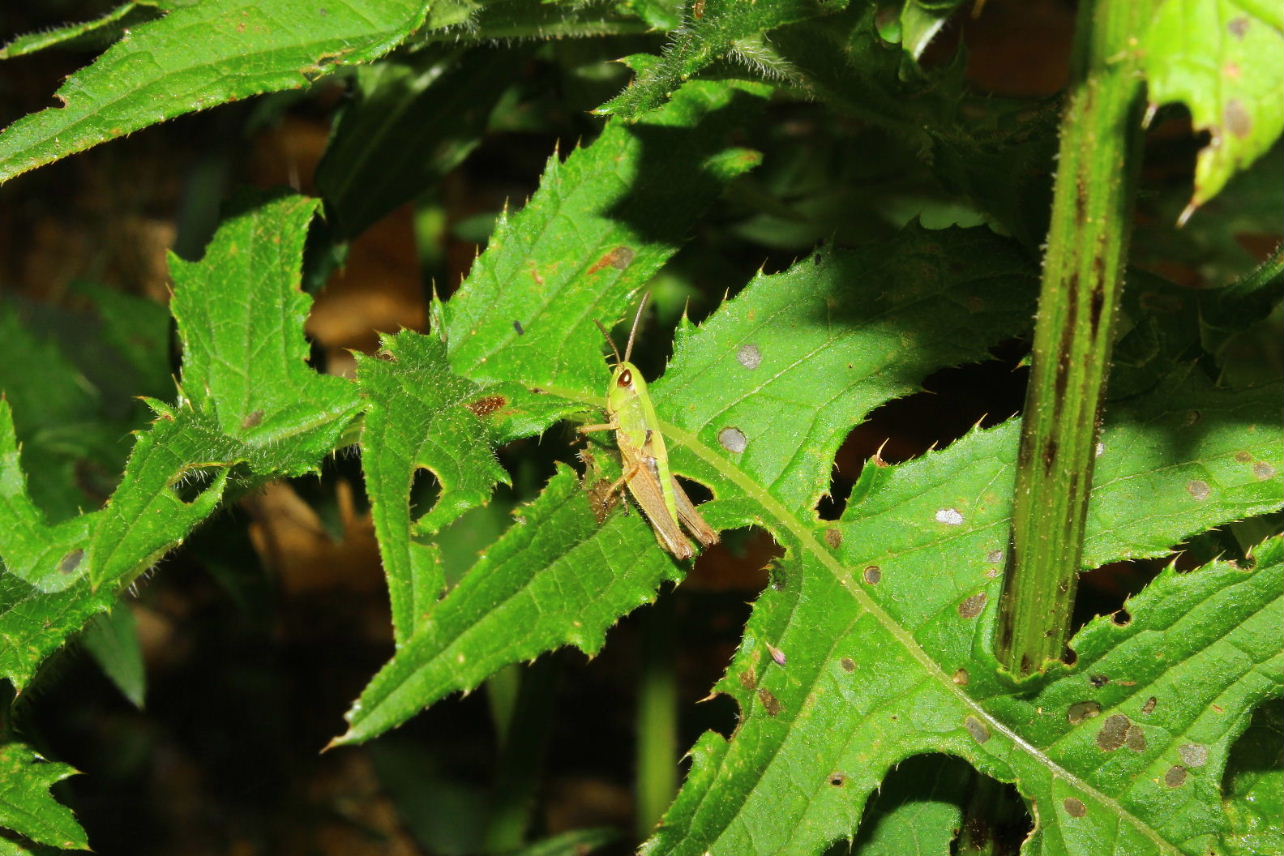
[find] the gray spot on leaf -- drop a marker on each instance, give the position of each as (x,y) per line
(733,440)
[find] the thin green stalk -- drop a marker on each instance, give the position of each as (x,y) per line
(1082,280)
(657,722)
(1248,300)
(524,730)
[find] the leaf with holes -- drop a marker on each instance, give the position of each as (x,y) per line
(872,647)
(1227,65)
(420,415)
(557,578)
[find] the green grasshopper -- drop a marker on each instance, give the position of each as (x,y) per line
(644,457)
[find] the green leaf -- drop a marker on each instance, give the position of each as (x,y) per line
(112,640)
(1181,460)
(106,27)
(576,842)
(33,621)
(420,415)
(876,617)
(35,553)
(1254,796)
(600,225)
(907,818)
(995,152)
(556,578)
(828,341)
(712,31)
(59,414)
(1227,66)
(200,55)
(240,314)
(869,684)
(494,20)
(251,405)
(26,805)
(138,330)
(417,118)
(921,21)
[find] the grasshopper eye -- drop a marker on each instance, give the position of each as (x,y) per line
(626,378)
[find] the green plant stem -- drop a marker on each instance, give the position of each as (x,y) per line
(524,740)
(657,723)
(1249,299)
(1082,280)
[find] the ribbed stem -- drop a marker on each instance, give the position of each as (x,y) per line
(1082,280)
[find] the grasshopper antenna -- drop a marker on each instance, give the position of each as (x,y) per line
(609,340)
(637,319)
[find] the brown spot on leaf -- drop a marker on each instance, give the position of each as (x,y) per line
(961,677)
(1081,710)
(770,702)
(979,730)
(749,680)
(253,420)
(487,405)
(1243,457)
(1238,122)
(973,606)
(1263,470)
(848,664)
(1149,706)
(71,562)
(749,356)
(1198,489)
(1099,681)
(837,780)
(833,538)
(1074,807)
(618,258)
(1176,776)
(1238,26)
(1113,732)
(873,575)
(1135,739)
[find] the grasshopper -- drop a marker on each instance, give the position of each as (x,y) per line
(644,457)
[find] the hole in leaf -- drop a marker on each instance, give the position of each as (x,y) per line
(980,814)
(193,482)
(1104,590)
(743,561)
(425,490)
(954,401)
(1255,756)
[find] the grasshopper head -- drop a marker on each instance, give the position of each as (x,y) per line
(627,386)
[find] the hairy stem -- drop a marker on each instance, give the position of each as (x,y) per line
(1082,280)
